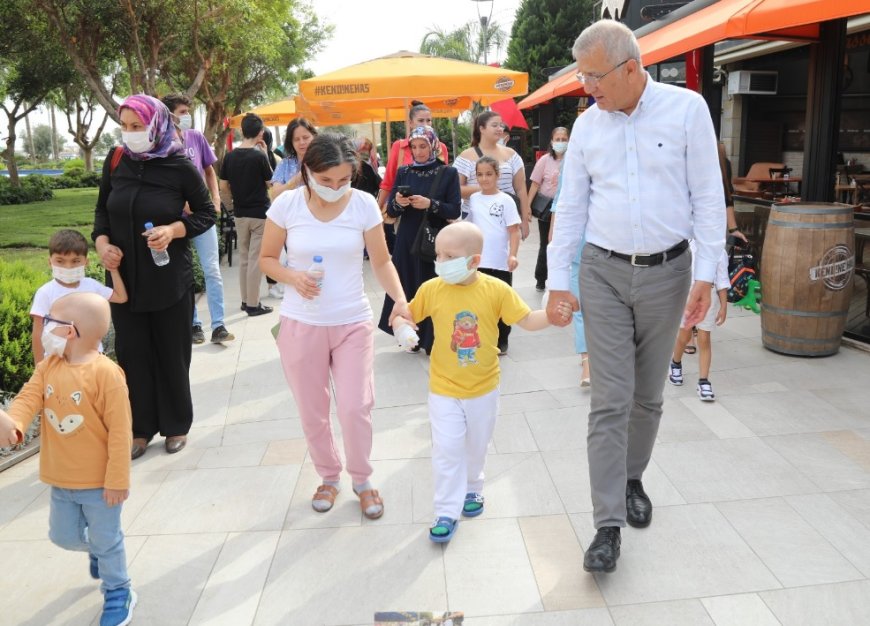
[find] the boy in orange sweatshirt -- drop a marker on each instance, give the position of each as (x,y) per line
(86,436)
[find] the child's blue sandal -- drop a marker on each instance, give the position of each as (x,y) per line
(473,505)
(442,529)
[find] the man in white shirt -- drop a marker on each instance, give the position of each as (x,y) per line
(641,177)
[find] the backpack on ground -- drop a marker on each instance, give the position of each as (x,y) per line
(741,269)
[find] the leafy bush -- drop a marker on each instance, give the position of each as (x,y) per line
(73,164)
(34,188)
(20,282)
(76,178)
(198,276)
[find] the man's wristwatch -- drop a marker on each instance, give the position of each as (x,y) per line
(733,230)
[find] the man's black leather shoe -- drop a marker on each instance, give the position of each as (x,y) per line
(638,507)
(603,551)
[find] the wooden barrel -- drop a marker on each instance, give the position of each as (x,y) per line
(807,267)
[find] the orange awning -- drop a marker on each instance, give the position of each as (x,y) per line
(745,19)
(726,19)
(565,85)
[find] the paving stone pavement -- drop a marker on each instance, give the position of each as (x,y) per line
(762,500)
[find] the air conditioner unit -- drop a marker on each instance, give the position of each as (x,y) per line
(752,82)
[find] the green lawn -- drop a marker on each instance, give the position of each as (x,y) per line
(32,225)
(26,228)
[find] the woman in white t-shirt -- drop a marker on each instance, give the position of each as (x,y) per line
(495,213)
(487,130)
(327,328)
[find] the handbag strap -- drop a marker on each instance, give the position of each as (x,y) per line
(435,181)
(479,152)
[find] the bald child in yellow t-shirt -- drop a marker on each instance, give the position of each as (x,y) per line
(85,434)
(465,307)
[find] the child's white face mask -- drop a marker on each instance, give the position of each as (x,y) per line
(68,275)
(455,270)
(51,343)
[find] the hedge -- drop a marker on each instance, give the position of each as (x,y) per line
(20,282)
(33,188)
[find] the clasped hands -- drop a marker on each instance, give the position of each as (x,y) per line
(560,306)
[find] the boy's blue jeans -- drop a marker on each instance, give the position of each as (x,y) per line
(206,246)
(81,520)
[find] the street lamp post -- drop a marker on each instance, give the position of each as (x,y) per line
(484,25)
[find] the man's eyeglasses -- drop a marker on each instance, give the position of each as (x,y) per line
(46,319)
(594,79)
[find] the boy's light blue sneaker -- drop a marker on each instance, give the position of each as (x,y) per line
(118,607)
(94,567)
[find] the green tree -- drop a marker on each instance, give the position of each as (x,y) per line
(42,143)
(468,42)
(31,66)
(266,56)
(226,53)
(82,114)
(542,36)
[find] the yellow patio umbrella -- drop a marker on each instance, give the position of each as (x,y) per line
(352,112)
(273,114)
(394,80)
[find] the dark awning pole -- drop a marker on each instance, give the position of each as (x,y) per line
(824,92)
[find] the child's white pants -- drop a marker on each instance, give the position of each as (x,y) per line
(461,431)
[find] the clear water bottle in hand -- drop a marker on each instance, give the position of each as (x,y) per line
(315,272)
(161,257)
(407,337)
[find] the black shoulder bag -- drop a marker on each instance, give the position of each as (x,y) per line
(424,241)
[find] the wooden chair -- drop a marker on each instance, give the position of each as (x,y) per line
(744,187)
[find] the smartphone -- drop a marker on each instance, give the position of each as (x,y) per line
(405,190)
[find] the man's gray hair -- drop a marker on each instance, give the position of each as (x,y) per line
(616,38)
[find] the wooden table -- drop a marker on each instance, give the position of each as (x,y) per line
(773,183)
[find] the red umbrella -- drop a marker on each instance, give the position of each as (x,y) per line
(509,113)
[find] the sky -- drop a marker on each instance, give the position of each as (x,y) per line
(365,30)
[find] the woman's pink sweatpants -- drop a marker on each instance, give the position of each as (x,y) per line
(308,355)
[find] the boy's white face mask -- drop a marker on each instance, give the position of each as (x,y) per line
(51,343)
(455,270)
(68,275)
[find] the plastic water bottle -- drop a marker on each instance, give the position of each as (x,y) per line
(161,257)
(315,271)
(406,337)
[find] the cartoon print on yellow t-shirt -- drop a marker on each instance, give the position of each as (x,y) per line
(465,339)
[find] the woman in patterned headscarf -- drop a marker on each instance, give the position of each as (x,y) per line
(419,191)
(149,180)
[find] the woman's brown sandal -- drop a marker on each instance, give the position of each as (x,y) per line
(370,498)
(324,493)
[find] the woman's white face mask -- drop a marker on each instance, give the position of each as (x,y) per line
(327,194)
(137,141)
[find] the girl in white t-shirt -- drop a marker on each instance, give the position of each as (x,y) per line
(495,213)
(326,329)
